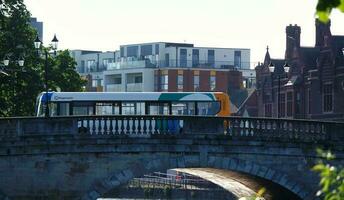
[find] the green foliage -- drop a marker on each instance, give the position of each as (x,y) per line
(19,90)
(167,192)
(332,178)
(324,8)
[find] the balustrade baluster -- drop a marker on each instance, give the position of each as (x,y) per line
(139,125)
(133,127)
(93,126)
(111,126)
(106,131)
(127,128)
(88,126)
(100,124)
(150,126)
(156,128)
(116,125)
(144,131)
(122,126)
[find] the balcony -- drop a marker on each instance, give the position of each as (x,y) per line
(134,87)
(114,88)
(180,63)
(130,64)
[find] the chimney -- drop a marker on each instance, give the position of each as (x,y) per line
(321,29)
(292,40)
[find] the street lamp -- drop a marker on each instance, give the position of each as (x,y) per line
(4,69)
(38,44)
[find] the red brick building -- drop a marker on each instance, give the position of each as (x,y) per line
(308,82)
(199,80)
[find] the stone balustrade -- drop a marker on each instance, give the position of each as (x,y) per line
(146,126)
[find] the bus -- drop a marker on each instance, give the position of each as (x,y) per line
(133,103)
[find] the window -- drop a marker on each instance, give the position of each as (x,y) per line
(128,108)
(282,105)
(158,109)
(146,50)
(164,82)
(289,104)
(196,83)
(104,109)
(183,57)
(83,108)
(82,68)
(94,83)
(183,108)
(328,97)
(117,80)
(268,110)
(167,60)
(132,51)
(180,82)
(195,57)
(208,108)
(212,82)
(133,78)
(90,65)
(156,82)
(237,59)
(122,51)
(157,49)
(309,101)
(211,58)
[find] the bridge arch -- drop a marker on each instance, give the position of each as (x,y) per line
(139,168)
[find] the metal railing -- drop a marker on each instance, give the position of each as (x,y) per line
(178,63)
(148,125)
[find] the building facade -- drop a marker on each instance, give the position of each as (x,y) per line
(91,65)
(38,26)
(176,67)
(308,82)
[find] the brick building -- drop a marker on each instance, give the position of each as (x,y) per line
(190,80)
(308,82)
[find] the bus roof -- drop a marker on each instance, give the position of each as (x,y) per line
(130,96)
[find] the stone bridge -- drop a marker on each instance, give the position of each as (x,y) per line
(87,157)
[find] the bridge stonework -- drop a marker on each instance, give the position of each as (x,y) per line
(71,165)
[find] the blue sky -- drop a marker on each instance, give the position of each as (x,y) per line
(106,24)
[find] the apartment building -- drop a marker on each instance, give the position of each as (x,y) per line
(92,64)
(172,67)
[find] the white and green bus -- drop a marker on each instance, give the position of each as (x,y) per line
(133,103)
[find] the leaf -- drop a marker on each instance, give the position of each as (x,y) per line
(341,6)
(323,16)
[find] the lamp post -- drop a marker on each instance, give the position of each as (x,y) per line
(38,44)
(4,69)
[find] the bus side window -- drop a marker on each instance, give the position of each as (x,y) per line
(83,108)
(63,109)
(128,108)
(183,108)
(208,108)
(104,108)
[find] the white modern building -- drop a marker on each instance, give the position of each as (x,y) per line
(135,67)
(91,64)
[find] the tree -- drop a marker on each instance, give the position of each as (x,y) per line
(19,90)
(332,177)
(64,75)
(324,8)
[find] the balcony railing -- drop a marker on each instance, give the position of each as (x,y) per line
(114,88)
(180,63)
(134,87)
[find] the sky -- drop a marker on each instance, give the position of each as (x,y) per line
(106,24)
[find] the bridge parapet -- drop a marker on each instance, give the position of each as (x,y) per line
(146,126)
